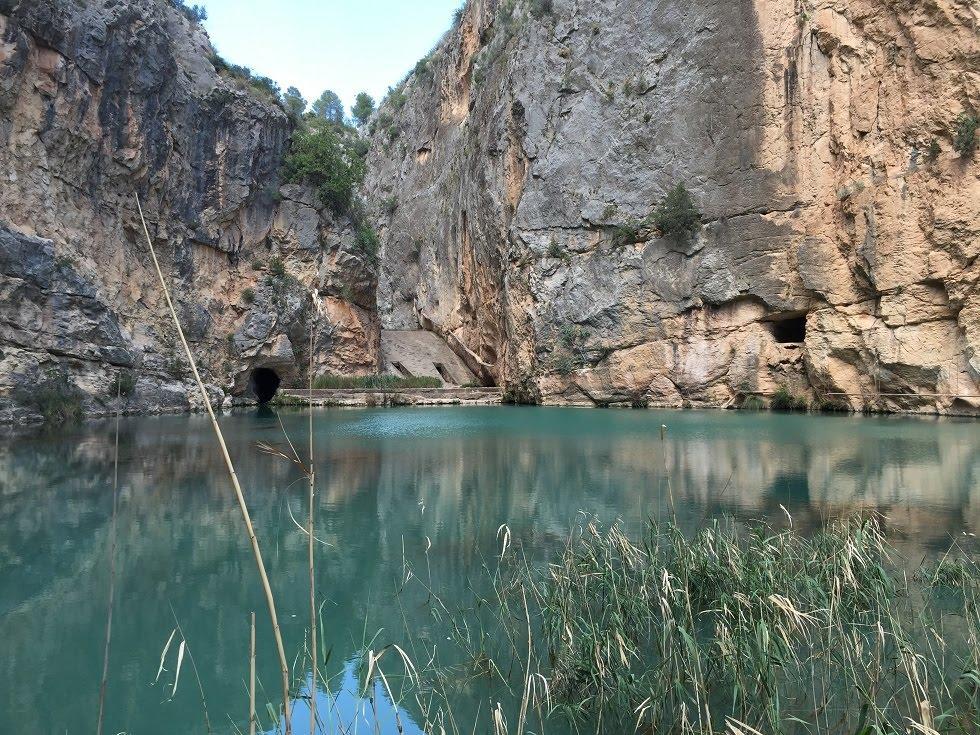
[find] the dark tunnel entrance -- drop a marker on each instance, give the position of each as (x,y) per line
(264,383)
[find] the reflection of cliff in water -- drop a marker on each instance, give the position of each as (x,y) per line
(389,483)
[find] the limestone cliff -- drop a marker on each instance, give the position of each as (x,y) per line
(513,176)
(101,100)
(838,252)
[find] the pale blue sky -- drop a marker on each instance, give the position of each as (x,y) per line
(344,45)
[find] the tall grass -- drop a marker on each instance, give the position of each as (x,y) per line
(732,630)
(374,382)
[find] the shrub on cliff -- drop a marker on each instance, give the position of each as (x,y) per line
(541,8)
(264,86)
(396,97)
(367,242)
(324,159)
(123,384)
(194,13)
(965,140)
(676,215)
(55,397)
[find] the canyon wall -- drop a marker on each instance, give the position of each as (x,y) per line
(838,248)
(101,101)
(512,177)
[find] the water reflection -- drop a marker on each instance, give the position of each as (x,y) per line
(391,482)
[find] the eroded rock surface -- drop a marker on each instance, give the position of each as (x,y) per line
(101,101)
(835,256)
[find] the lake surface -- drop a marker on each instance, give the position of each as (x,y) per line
(426,486)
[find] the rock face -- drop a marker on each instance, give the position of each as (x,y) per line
(837,253)
(514,175)
(104,100)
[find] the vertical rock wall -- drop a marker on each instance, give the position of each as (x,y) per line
(102,100)
(834,258)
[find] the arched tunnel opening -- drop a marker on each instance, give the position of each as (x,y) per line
(264,383)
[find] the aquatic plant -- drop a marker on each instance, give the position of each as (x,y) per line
(783,400)
(731,628)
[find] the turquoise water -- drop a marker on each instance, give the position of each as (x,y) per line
(428,487)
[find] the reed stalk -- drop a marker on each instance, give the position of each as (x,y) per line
(251,675)
(309,539)
(112,570)
(246,517)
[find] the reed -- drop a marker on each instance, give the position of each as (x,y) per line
(734,629)
(229,465)
(374,382)
(310,558)
(112,570)
(251,675)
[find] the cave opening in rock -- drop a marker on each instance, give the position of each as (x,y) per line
(791,330)
(264,383)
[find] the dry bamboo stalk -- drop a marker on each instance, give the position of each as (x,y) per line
(309,528)
(246,517)
(112,568)
(251,679)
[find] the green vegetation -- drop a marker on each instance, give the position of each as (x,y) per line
(626,233)
(276,267)
(175,367)
(396,97)
(248,295)
(933,151)
(555,250)
(325,159)
(783,400)
(541,8)
(677,216)
(329,107)
(363,108)
(263,86)
(55,396)
(570,354)
(726,629)
(367,242)
(374,382)
(294,102)
(389,205)
(123,384)
(752,403)
(965,138)
(422,70)
(194,13)
(832,405)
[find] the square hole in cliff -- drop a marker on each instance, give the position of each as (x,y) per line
(789,330)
